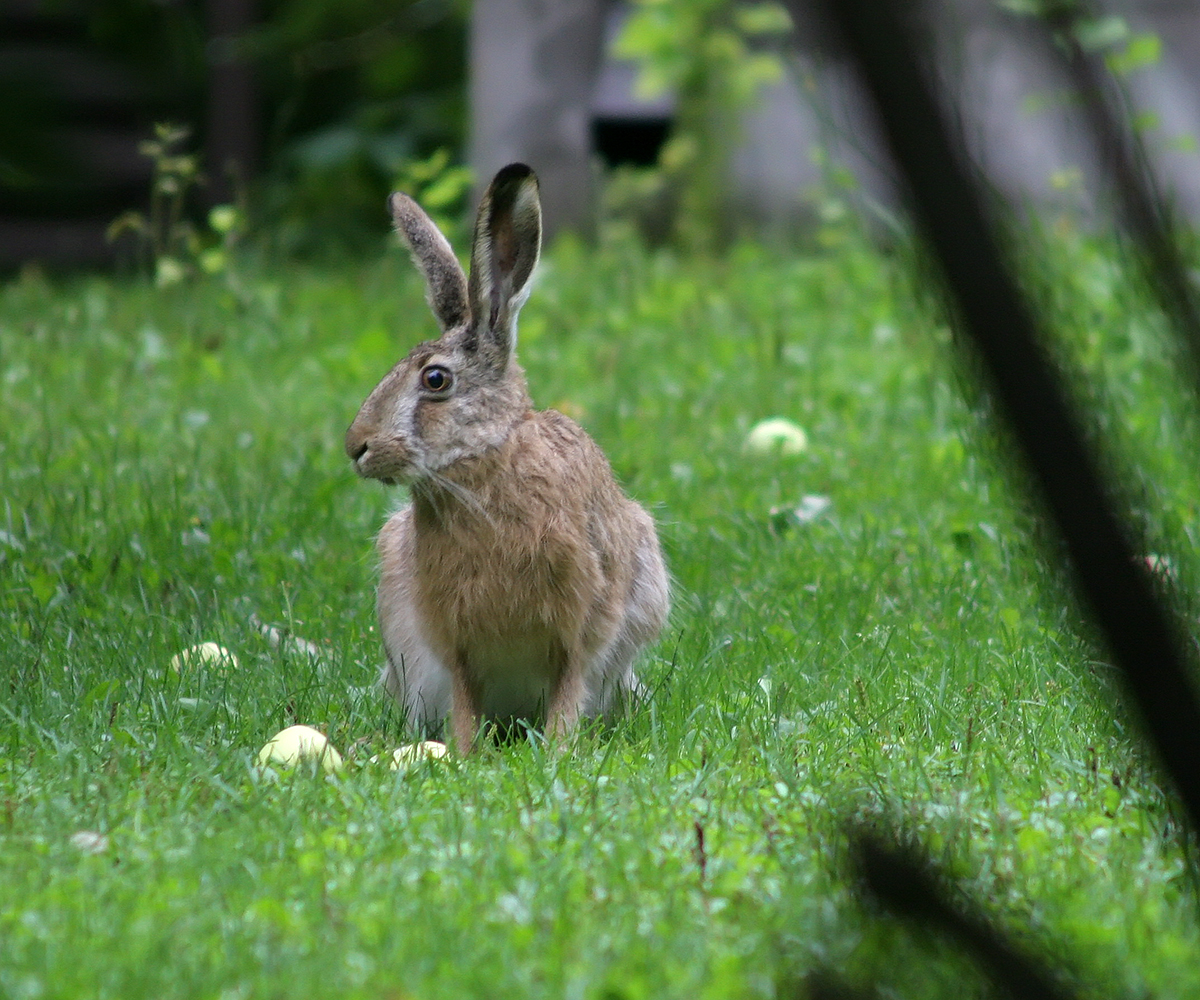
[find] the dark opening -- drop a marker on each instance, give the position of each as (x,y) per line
(632,141)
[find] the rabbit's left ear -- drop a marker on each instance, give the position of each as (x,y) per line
(508,240)
(446,285)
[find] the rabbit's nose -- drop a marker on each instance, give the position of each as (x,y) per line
(356,444)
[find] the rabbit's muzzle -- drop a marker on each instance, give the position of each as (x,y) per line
(375,456)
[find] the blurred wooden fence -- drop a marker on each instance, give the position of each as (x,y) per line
(543,89)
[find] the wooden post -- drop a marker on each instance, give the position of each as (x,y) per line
(232,140)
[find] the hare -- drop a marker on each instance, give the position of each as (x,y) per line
(519,582)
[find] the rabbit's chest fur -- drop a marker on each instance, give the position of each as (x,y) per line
(517,566)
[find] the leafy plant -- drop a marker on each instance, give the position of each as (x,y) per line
(346,92)
(440,187)
(713,55)
(1125,52)
(169,240)
(358,90)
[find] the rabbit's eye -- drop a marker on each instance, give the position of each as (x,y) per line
(435,378)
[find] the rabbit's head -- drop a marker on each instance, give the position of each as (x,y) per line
(458,396)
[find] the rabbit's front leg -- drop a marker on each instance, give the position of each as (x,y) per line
(566,701)
(465,710)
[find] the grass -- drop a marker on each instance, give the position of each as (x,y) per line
(171,466)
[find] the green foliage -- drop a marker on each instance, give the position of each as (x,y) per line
(347,92)
(358,91)
(1125,50)
(440,188)
(1125,53)
(175,248)
(710,54)
(171,466)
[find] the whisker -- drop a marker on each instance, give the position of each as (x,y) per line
(465,496)
(437,486)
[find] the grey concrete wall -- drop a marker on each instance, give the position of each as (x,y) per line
(532,68)
(1023,127)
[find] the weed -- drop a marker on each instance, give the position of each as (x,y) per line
(171,245)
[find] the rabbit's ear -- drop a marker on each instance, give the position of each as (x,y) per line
(508,239)
(446,285)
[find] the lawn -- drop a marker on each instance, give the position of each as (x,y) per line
(171,472)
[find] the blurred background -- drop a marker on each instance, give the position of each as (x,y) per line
(124,123)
